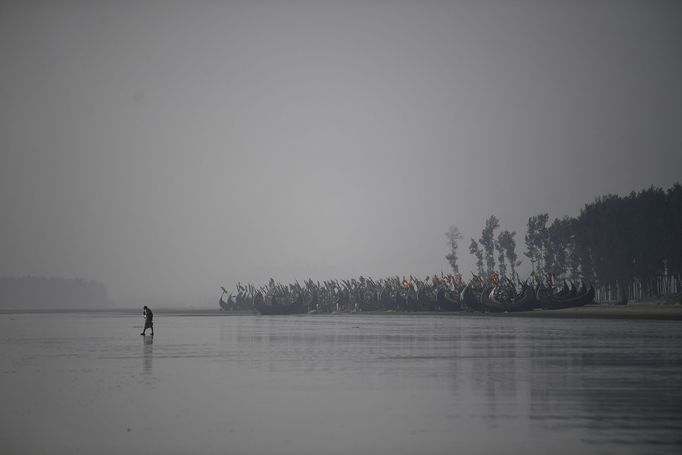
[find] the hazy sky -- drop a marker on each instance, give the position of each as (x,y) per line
(167,148)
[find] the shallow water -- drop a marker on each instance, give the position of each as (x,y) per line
(333,384)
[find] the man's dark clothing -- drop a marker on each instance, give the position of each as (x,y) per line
(148,320)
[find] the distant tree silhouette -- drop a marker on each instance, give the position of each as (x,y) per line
(559,254)
(501,262)
(619,239)
(476,251)
(507,243)
(613,241)
(536,240)
(453,235)
(487,241)
(674,210)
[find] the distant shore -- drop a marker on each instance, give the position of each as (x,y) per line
(635,310)
(661,309)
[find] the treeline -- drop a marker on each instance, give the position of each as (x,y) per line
(612,242)
(51,293)
(495,253)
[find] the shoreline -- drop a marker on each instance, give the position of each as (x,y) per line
(648,310)
(640,310)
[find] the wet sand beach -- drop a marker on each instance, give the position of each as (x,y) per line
(338,384)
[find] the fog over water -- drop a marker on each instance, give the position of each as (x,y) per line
(167,148)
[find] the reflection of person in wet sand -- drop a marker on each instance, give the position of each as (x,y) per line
(148,320)
(148,354)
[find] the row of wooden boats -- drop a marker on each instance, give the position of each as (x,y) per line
(506,298)
(445,294)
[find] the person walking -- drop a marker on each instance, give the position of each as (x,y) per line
(148,320)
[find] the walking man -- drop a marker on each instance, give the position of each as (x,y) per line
(148,320)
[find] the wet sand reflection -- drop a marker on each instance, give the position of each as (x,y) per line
(148,354)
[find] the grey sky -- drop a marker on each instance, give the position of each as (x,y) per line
(167,148)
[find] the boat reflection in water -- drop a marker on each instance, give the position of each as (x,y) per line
(476,384)
(336,384)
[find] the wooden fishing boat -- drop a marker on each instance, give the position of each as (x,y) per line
(224,306)
(275,305)
(523,301)
(470,298)
(448,300)
(549,301)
